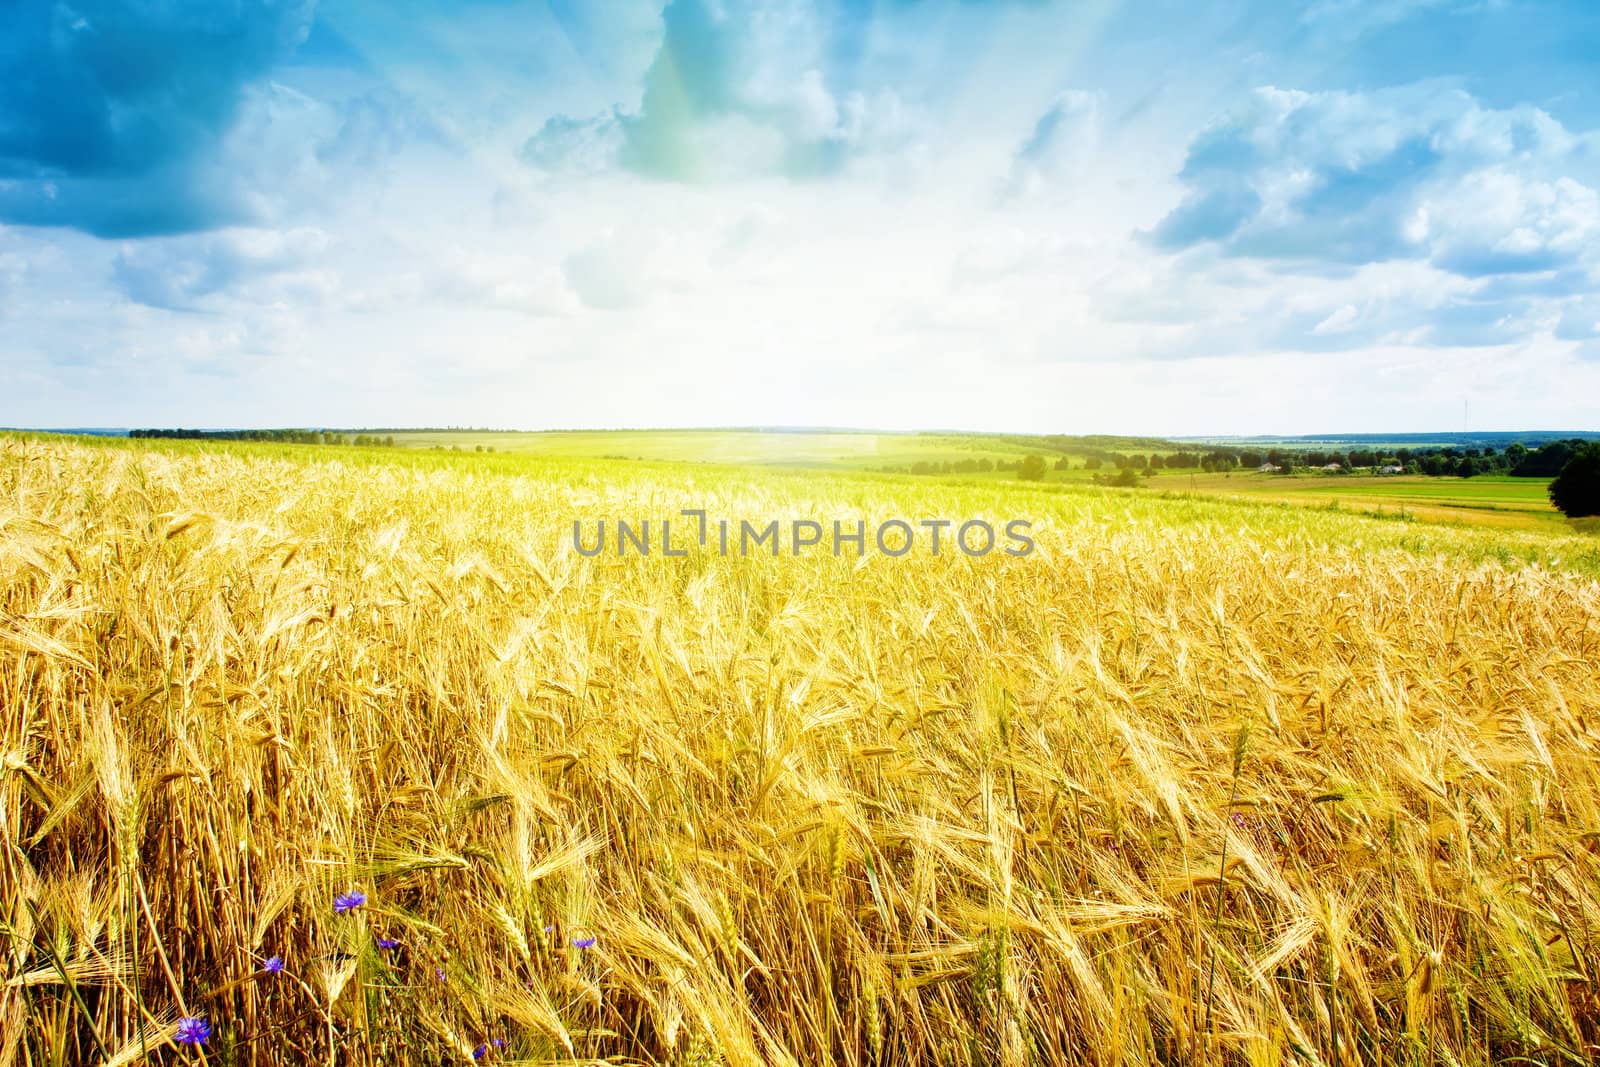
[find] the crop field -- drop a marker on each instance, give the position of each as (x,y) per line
(841,450)
(1497,502)
(349,757)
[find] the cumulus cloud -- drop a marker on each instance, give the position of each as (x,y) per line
(1063,143)
(373,128)
(735,90)
(576,146)
(1497,221)
(180,273)
(107,106)
(1416,173)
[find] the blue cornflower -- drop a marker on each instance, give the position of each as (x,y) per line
(438,972)
(498,1042)
(480,1052)
(274,965)
(348,902)
(583,942)
(386,943)
(193,1031)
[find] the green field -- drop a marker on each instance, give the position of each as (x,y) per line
(1497,501)
(1500,501)
(841,450)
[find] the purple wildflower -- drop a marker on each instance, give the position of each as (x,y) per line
(549,929)
(583,942)
(274,965)
(193,1031)
(498,1042)
(348,902)
(438,972)
(480,1052)
(387,943)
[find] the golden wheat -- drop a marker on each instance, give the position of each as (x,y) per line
(1194,783)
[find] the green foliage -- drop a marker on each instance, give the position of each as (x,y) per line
(287,437)
(1576,490)
(1548,460)
(1032,468)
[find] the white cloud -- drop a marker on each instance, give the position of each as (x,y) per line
(1338,321)
(1414,173)
(1063,145)
(735,91)
(1495,221)
(185,273)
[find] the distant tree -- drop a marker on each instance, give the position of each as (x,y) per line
(1092,463)
(1467,467)
(1062,463)
(1126,477)
(1576,490)
(1548,460)
(985,465)
(1031,469)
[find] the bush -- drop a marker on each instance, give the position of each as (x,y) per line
(1031,469)
(1576,490)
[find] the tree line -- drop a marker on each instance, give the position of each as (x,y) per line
(286,437)
(1545,461)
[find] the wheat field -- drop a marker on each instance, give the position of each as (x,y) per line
(352,760)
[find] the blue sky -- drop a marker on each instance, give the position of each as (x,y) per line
(1091,216)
